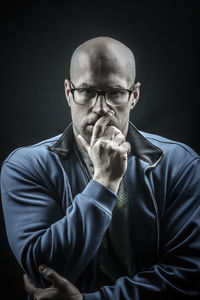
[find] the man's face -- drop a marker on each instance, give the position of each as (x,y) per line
(85,116)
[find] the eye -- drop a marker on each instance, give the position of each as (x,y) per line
(85,90)
(115,93)
(88,92)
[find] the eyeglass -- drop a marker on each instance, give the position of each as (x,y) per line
(113,96)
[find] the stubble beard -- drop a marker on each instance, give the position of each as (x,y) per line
(84,133)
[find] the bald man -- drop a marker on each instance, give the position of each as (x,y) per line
(104,211)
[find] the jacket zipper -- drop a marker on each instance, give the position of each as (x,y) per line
(154,200)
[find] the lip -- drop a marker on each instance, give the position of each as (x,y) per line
(94,122)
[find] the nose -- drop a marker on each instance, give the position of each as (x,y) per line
(100,106)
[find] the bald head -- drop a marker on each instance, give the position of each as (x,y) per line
(100,56)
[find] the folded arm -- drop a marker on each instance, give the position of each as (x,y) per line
(38,230)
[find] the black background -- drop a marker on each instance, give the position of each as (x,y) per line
(38,39)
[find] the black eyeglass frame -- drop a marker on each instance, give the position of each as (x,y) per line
(99,93)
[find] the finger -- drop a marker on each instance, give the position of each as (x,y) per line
(126,147)
(115,135)
(52,276)
(100,126)
(83,142)
(57,280)
(119,139)
(111,132)
(29,286)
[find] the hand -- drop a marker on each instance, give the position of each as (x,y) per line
(108,152)
(61,288)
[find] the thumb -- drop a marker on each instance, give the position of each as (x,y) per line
(52,276)
(58,281)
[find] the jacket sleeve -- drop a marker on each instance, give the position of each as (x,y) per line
(176,274)
(38,230)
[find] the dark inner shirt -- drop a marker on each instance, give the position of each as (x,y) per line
(115,255)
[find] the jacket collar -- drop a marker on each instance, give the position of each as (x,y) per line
(140,146)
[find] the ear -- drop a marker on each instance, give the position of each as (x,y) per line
(67,91)
(136,95)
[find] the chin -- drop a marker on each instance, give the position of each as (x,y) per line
(87,133)
(89,129)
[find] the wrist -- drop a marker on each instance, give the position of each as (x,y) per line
(113,185)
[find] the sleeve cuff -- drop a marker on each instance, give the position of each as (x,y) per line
(93,296)
(101,194)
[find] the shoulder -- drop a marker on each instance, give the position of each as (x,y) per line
(168,145)
(31,155)
(175,154)
(179,164)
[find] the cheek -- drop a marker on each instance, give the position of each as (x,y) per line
(122,114)
(122,118)
(77,114)
(79,117)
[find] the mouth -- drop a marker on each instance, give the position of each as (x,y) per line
(92,123)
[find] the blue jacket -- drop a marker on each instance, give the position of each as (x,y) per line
(55,215)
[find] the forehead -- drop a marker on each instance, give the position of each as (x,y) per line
(102,82)
(101,72)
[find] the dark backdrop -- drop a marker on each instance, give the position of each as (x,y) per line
(38,39)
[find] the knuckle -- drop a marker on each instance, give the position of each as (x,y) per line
(115,148)
(121,136)
(112,129)
(116,130)
(126,145)
(119,139)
